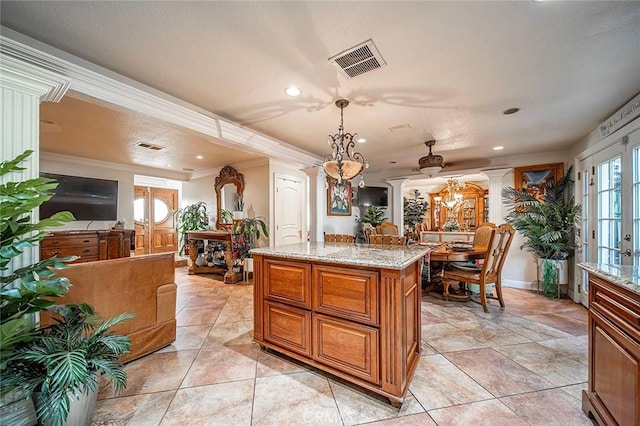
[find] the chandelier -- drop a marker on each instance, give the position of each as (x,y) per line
(343,164)
(453,198)
(431,164)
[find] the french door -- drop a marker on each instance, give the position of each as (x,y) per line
(153,210)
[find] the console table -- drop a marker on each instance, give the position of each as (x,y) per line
(225,236)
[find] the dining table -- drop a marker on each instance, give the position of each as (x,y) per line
(455,251)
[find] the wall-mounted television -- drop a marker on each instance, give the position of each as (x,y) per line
(373,196)
(86,198)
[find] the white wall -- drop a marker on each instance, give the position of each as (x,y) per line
(74,168)
(201,189)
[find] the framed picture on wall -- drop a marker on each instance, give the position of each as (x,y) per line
(338,198)
(534,179)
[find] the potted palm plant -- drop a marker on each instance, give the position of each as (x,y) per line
(192,217)
(25,291)
(254,228)
(60,366)
(548,225)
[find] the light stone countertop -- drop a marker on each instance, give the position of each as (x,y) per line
(376,256)
(627,277)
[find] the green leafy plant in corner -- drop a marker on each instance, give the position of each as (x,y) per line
(192,217)
(548,224)
(64,359)
(373,216)
(414,210)
(29,289)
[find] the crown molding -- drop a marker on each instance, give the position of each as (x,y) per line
(238,166)
(18,75)
(98,82)
(138,170)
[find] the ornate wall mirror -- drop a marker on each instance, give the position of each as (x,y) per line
(229,185)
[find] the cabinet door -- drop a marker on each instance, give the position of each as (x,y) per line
(347,293)
(615,372)
(288,327)
(288,282)
(347,346)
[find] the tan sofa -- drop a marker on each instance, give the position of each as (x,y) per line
(142,285)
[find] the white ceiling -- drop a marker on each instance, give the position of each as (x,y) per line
(452,68)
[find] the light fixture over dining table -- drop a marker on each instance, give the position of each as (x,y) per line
(343,163)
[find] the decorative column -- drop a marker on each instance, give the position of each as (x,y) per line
(317,202)
(22,87)
(397,206)
(495,193)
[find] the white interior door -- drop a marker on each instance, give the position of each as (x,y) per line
(289,209)
(584,253)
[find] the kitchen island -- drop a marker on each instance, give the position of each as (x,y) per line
(613,394)
(352,310)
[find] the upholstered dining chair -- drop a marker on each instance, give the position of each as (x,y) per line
(338,238)
(393,240)
(489,272)
(387,228)
(483,234)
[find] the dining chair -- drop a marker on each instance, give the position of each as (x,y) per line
(489,272)
(393,240)
(338,238)
(387,228)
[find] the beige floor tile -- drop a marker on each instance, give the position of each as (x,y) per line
(191,337)
(575,390)
(295,399)
(490,413)
(490,333)
(199,316)
(447,338)
(219,404)
(547,363)
(235,313)
(230,333)
(360,406)
(576,348)
(530,329)
(222,364)
(139,410)
(422,419)
(497,373)
(548,408)
(155,373)
(438,383)
(273,364)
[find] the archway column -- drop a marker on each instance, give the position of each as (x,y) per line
(397,205)
(495,193)
(317,202)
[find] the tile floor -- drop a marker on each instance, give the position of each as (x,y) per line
(525,365)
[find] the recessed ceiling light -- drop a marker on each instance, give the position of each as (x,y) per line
(199,157)
(498,148)
(168,165)
(361,140)
(510,111)
(292,91)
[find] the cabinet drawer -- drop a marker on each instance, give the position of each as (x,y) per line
(82,251)
(347,346)
(609,300)
(69,241)
(288,282)
(348,293)
(288,327)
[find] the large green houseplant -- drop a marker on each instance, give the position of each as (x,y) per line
(547,224)
(29,289)
(414,211)
(192,217)
(254,227)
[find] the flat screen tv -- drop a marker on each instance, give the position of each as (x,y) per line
(373,196)
(86,198)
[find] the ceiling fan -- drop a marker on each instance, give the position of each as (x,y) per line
(431,164)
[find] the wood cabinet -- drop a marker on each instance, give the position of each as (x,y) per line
(88,245)
(359,323)
(471,213)
(613,394)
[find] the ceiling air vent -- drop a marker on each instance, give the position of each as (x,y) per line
(151,146)
(358,60)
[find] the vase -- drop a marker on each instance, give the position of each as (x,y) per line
(553,273)
(238,215)
(81,407)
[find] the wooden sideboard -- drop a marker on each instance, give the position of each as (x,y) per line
(470,214)
(360,323)
(88,245)
(613,394)
(226,237)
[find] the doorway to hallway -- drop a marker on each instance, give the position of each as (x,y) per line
(153,210)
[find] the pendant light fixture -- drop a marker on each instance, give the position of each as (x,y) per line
(343,163)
